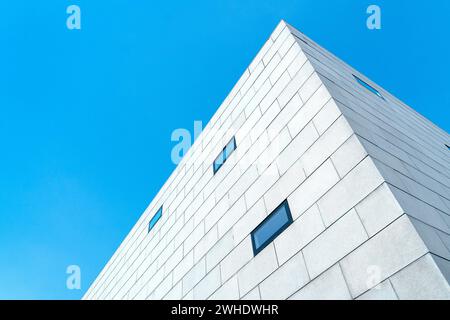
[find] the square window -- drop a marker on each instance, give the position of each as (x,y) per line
(155,219)
(271,227)
(368,87)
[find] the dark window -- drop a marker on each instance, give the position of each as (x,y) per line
(155,219)
(448,147)
(224,155)
(368,87)
(271,227)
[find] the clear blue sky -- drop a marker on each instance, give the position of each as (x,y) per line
(86,116)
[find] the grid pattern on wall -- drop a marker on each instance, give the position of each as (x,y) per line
(310,135)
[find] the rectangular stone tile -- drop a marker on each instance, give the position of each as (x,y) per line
(274,92)
(445,238)
(298,146)
(312,189)
(443,265)
(205,244)
(348,155)
(173,260)
(295,84)
(423,193)
(285,280)
(326,116)
(244,182)
(378,210)
(421,280)
(297,64)
(309,110)
(328,286)
(388,252)
(283,118)
(269,68)
(220,249)
(264,182)
(207,285)
(302,231)
(231,216)
(162,289)
(217,212)
(252,218)
(258,59)
(194,237)
(228,291)
(257,270)
(420,210)
(287,45)
(194,276)
(289,51)
(326,145)
(431,238)
(276,147)
(280,191)
(264,121)
(353,188)
(310,87)
(334,244)
(276,45)
(236,259)
(183,267)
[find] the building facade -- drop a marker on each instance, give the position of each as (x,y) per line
(309,182)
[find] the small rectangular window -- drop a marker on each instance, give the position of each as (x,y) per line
(271,227)
(155,219)
(231,146)
(224,155)
(218,162)
(448,147)
(368,87)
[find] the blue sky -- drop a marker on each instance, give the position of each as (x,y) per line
(86,115)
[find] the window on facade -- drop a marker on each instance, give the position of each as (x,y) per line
(368,87)
(224,155)
(271,227)
(155,219)
(448,147)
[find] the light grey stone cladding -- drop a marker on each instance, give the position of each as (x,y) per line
(367,180)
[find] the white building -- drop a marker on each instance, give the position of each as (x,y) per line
(331,189)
